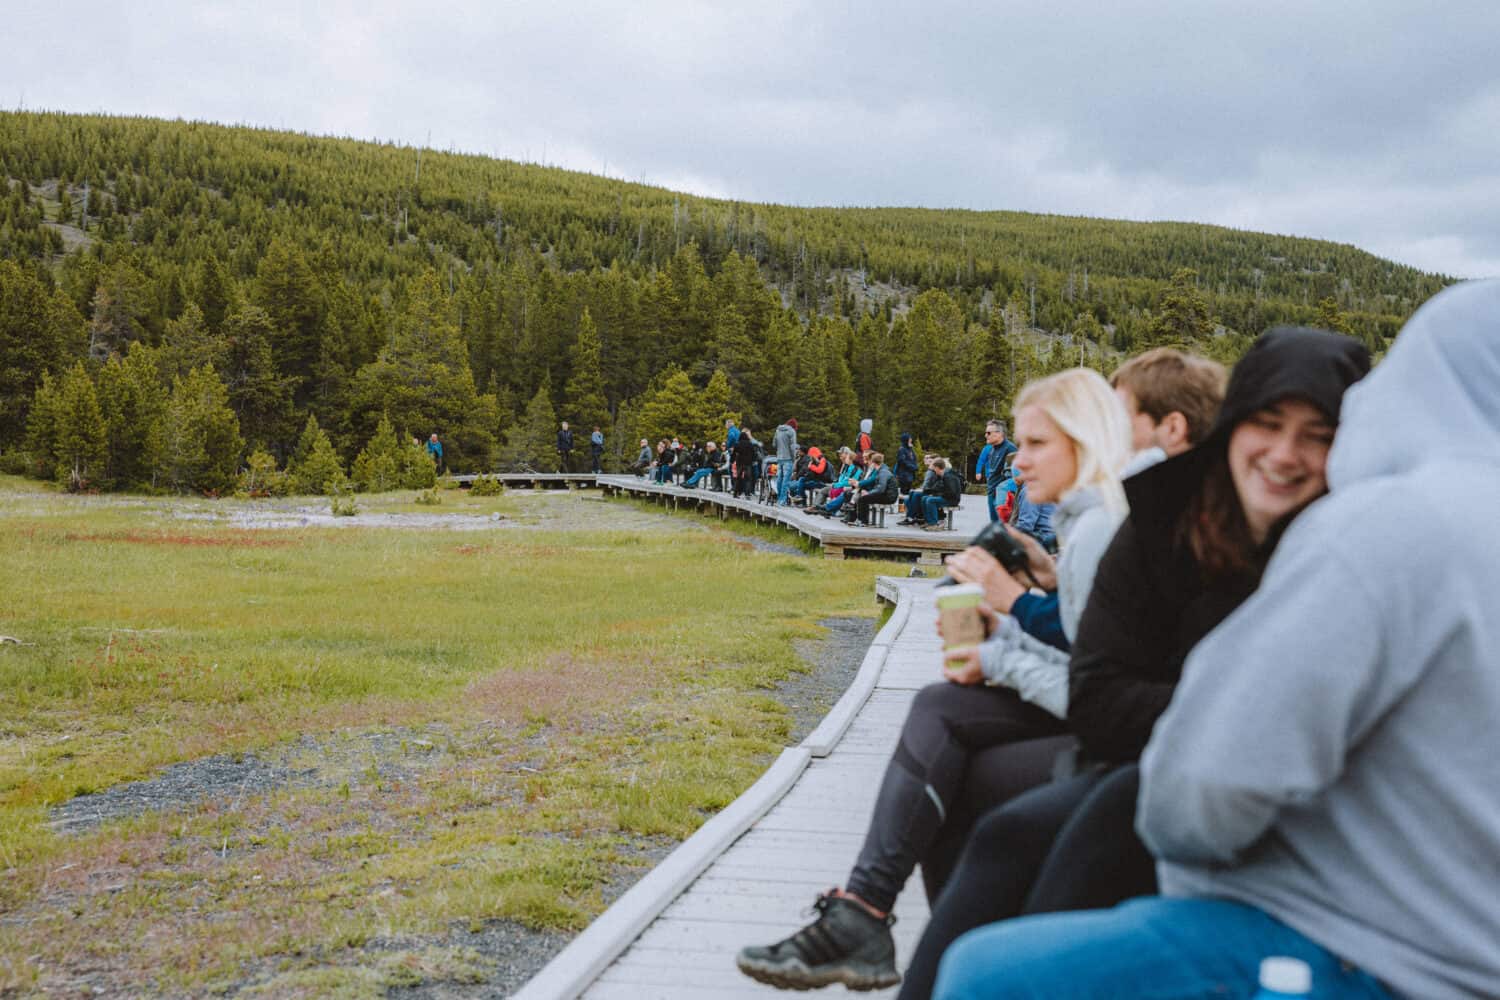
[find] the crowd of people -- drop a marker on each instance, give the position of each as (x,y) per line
(850,483)
(1243,712)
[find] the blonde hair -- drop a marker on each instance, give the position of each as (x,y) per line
(1092,416)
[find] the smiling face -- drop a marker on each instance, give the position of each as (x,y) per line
(1048,459)
(1277,458)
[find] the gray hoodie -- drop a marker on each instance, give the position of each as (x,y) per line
(1332,753)
(784,443)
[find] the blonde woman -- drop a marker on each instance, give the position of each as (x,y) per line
(1074,437)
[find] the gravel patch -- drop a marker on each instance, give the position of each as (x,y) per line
(224,776)
(834,660)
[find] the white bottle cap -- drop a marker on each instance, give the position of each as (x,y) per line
(1286,975)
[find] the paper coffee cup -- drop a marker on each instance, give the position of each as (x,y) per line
(958,608)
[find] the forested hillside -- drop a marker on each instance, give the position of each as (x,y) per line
(175,296)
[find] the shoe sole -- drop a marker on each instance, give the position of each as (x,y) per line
(794,975)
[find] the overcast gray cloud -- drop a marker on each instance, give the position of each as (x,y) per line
(1375,123)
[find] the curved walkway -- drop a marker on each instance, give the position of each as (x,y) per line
(750,874)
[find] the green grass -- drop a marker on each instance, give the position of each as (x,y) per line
(551,697)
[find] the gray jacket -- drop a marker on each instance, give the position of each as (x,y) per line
(784,444)
(1331,754)
(1012,658)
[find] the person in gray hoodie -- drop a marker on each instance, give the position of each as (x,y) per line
(784,443)
(1323,784)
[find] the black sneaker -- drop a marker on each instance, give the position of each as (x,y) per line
(846,944)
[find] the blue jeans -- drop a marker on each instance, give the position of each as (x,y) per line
(932,509)
(783,481)
(1165,949)
(991,500)
(698,477)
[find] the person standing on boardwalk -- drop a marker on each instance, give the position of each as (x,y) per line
(435,452)
(785,445)
(596,448)
(564,448)
(994,461)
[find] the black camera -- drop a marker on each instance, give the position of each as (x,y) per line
(998,542)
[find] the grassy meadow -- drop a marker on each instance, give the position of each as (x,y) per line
(479,726)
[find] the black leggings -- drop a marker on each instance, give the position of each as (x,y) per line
(948,726)
(1068,845)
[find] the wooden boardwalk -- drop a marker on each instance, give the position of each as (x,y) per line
(796,833)
(832,535)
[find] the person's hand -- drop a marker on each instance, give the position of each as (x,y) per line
(975,565)
(962,667)
(1043,565)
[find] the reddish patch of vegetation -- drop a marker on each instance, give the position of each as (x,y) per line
(237,539)
(564,687)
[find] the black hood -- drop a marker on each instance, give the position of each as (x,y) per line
(1291,362)
(1284,362)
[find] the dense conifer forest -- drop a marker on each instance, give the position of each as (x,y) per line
(196,307)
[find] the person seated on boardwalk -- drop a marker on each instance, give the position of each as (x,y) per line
(1171,398)
(1200,530)
(1322,786)
(949,493)
(1034,518)
(1004,497)
(839,491)
(662,469)
(876,486)
(930,480)
(743,459)
(642,461)
(817,472)
(706,460)
(906,463)
(1079,438)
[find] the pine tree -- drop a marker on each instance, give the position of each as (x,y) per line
(534,440)
(40,331)
(260,396)
(416,469)
(42,427)
(422,380)
(584,395)
(314,467)
(1183,317)
(134,405)
(214,292)
(81,447)
(674,407)
(201,438)
(377,468)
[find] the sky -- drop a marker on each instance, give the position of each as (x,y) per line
(1375,123)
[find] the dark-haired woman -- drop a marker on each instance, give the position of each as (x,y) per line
(1200,530)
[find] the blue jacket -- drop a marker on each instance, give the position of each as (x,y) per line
(992,459)
(1035,519)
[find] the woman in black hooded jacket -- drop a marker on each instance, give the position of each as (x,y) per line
(1191,550)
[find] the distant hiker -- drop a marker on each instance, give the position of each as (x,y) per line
(435,452)
(564,448)
(596,448)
